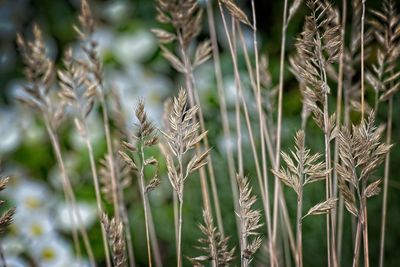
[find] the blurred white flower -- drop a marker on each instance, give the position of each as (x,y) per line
(10,135)
(34,226)
(12,245)
(15,262)
(87,213)
(230,90)
(131,47)
(51,251)
(30,197)
(117,11)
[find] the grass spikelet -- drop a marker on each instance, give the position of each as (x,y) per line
(182,136)
(250,240)
(115,235)
(213,245)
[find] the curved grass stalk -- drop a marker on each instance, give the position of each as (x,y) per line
(277,188)
(69,194)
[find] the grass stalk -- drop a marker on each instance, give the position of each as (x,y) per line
(363,201)
(261,121)
(97,192)
(339,218)
(240,96)
(356,254)
(69,194)
(110,152)
(145,201)
(299,218)
(126,224)
(385,184)
(362,61)
(223,108)
(270,149)
(180,223)
(277,188)
(190,85)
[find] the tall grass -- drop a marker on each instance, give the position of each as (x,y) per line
(352,149)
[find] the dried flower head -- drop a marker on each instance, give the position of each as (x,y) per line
(213,244)
(249,221)
(318,46)
(384,77)
(7,217)
(361,152)
(115,235)
(302,167)
(182,136)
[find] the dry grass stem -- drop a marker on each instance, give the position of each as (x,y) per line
(222,105)
(39,71)
(182,136)
(361,152)
(144,138)
(303,168)
(78,91)
(186,18)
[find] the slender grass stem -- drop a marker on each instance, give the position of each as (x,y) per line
(356,254)
(125,221)
(364,201)
(145,201)
(362,61)
(277,189)
(192,100)
(299,257)
(97,193)
(365,231)
(243,101)
(222,105)
(110,158)
(180,217)
(261,118)
(338,122)
(385,184)
(179,253)
(69,194)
